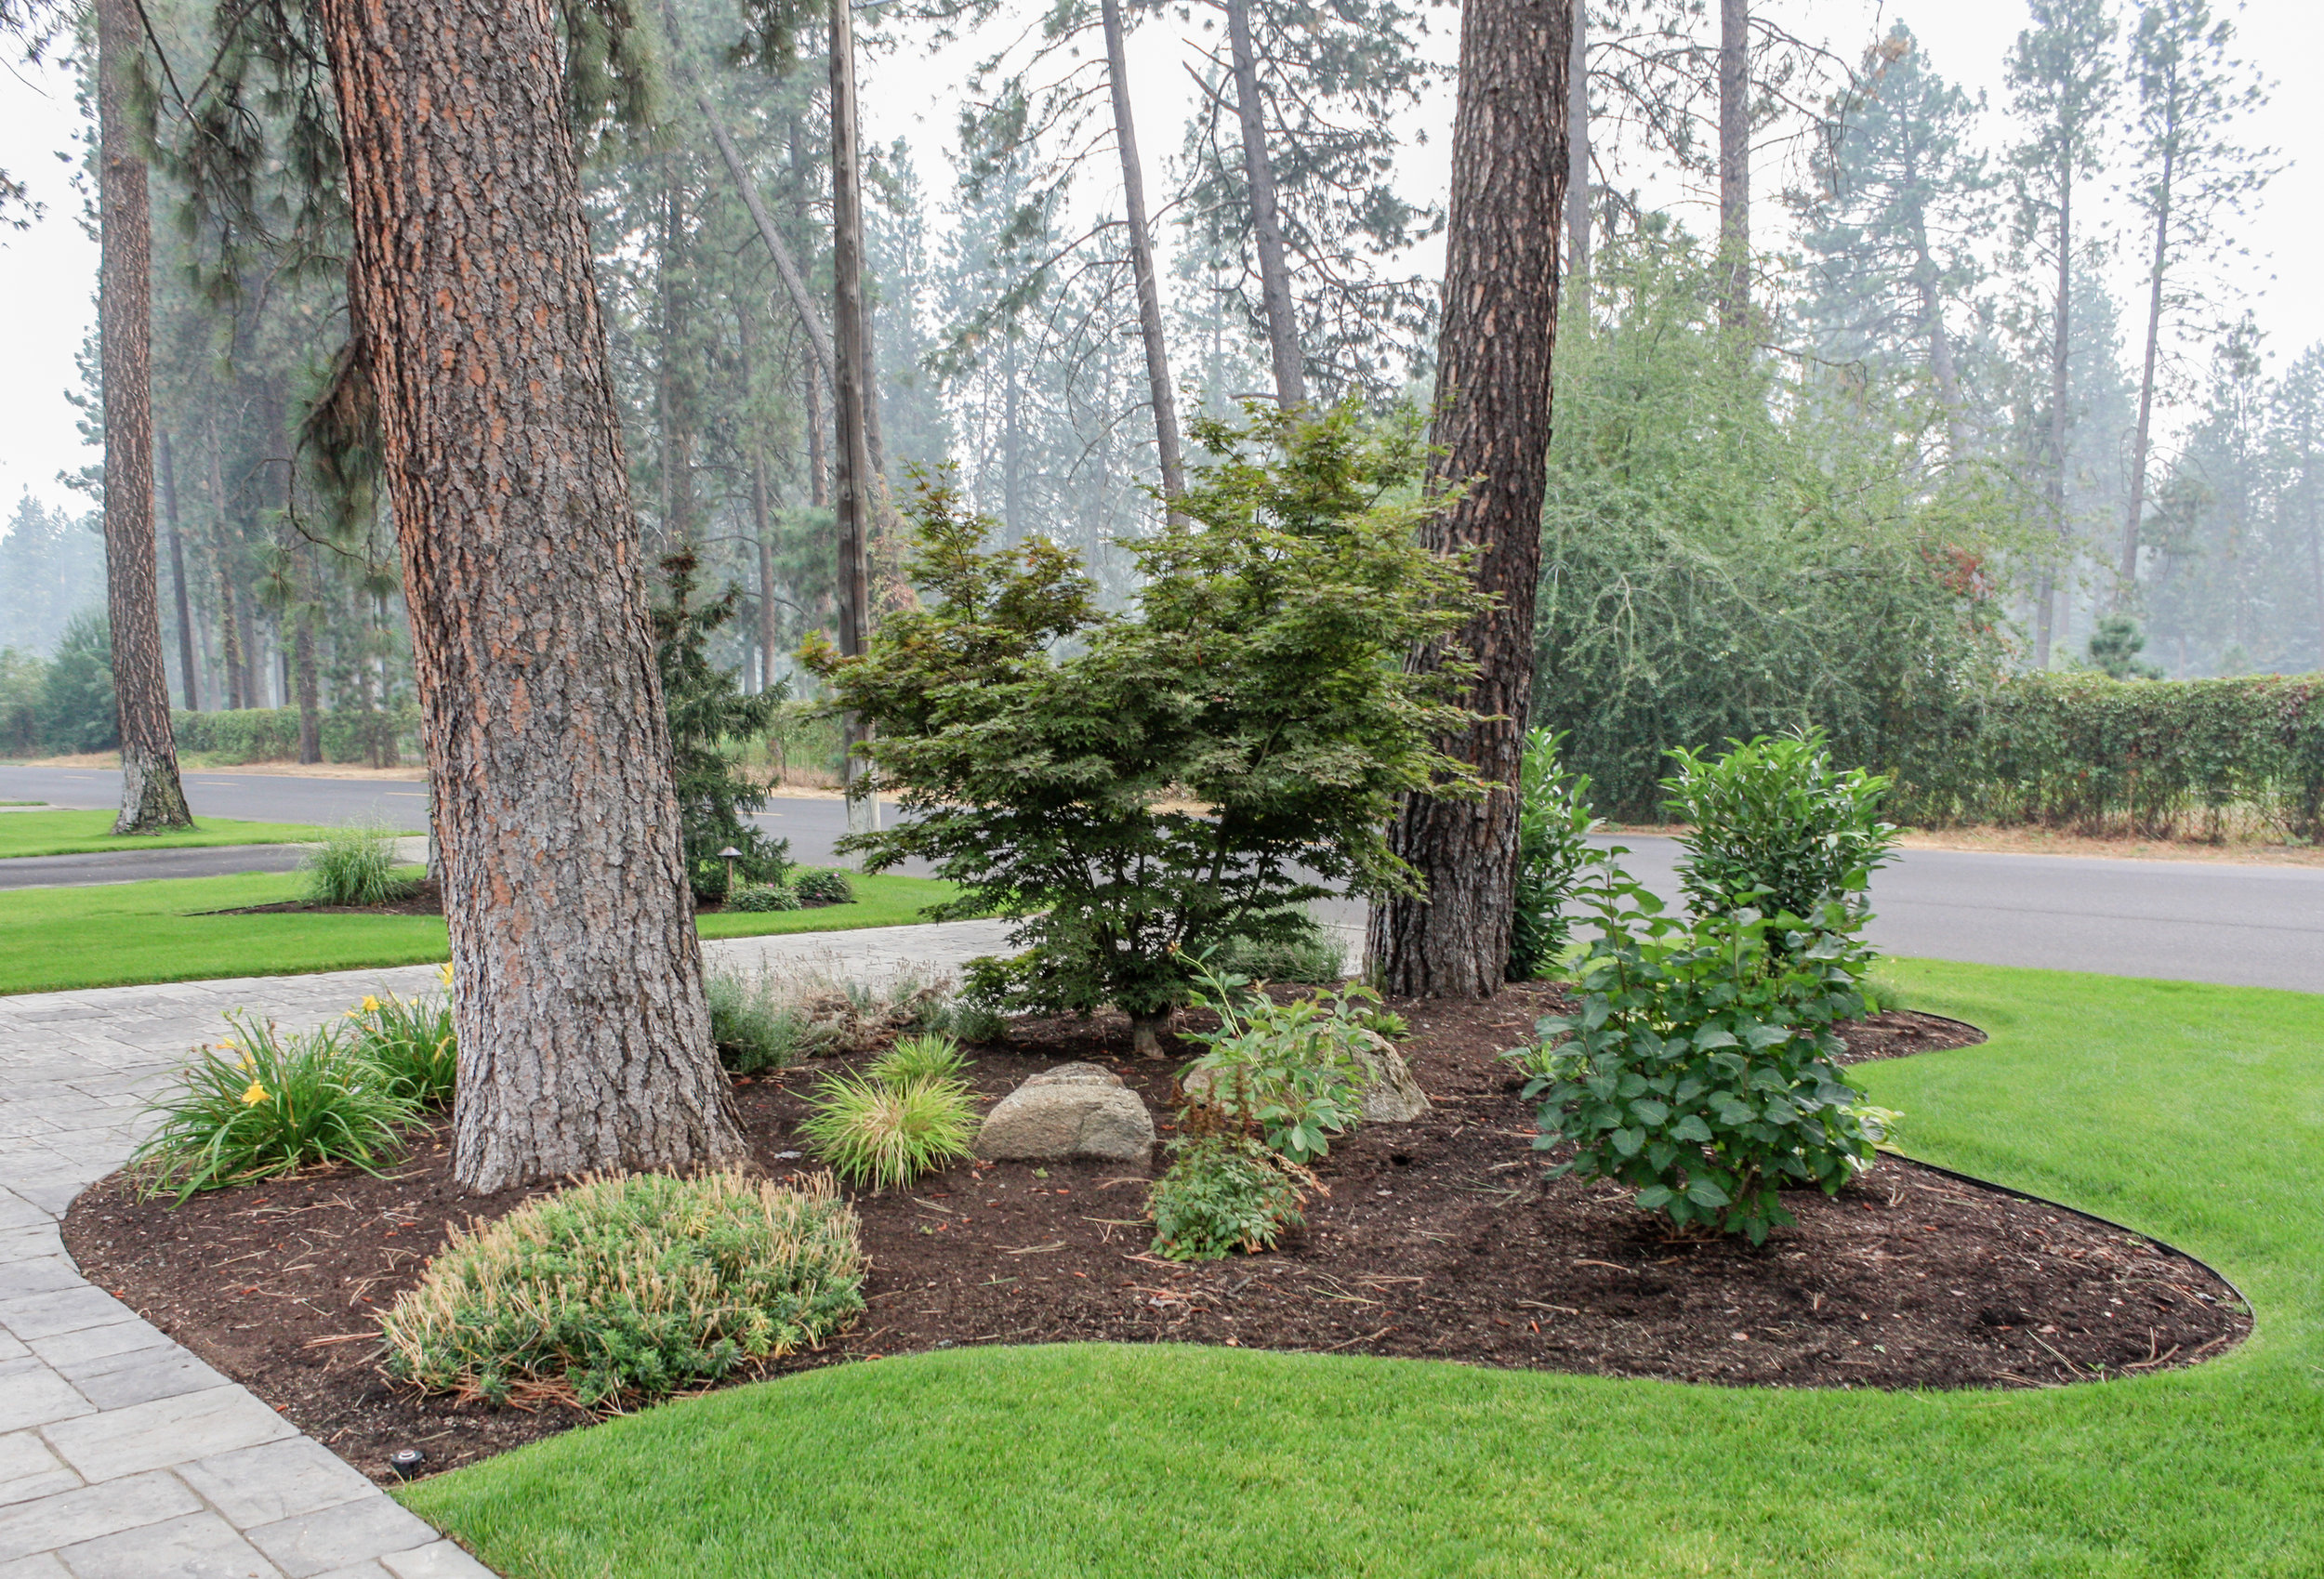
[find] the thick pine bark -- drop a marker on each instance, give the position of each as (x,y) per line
(584,1042)
(2129,567)
(1266,221)
(186,665)
(1734,158)
(151,799)
(1158,387)
(1493,399)
(853,485)
(1577,144)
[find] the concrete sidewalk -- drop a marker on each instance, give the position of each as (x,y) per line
(121,1456)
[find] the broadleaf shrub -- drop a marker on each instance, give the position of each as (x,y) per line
(823,885)
(1284,1072)
(622,1290)
(258,1104)
(1222,1194)
(1775,827)
(758,897)
(1699,1068)
(1554,826)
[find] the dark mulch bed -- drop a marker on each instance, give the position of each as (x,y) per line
(427,898)
(1437,1238)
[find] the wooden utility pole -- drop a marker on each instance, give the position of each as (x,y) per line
(1493,389)
(151,799)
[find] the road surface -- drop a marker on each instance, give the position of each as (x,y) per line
(2242,926)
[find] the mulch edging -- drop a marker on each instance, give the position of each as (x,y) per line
(1437,1238)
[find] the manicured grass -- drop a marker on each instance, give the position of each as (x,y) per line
(118,934)
(2189,1112)
(86,832)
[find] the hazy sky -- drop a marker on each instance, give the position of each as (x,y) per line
(48,273)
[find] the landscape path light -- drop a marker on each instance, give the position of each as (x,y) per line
(730,855)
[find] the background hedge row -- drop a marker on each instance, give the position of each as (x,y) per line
(270,734)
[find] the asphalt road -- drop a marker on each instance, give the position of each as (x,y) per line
(2243,926)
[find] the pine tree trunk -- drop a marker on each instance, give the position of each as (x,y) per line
(1259,175)
(165,453)
(2061,346)
(818,458)
(1577,145)
(1492,396)
(2128,570)
(307,675)
(852,483)
(761,513)
(1158,386)
(1735,159)
(151,799)
(584,1041)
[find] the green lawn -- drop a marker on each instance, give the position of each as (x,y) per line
(2193,1112)
(86,832)
(109,936)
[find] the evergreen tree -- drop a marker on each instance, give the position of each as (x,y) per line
(708,712)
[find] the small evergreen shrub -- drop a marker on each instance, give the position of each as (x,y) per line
(707,711)
(823,885)
(755,1025)
(1222,1193)
(1307,953)
(1286,1072)
(618,1291)
(871,1132)
(1776,828)
(355,865)
(755,897)
(258,1104)
(411,1045)
(973,1020)
(1700,1070)
(1554,827)
(931,1055)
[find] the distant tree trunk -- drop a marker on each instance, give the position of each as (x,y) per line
(151,799)
(2061,341)
(584,1041)
(818,460)
(1274,275)
(1493,395)
(852,492)
(762,514)
(1158,387)
(2128,588)
(1735,159)
(1010,503)
(1942,366)
(167,453)
(1578,145)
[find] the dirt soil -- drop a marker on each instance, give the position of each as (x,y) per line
(426,898)
(1437,1238)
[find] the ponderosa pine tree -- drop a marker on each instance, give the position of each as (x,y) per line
(1494,386)
(584,1035)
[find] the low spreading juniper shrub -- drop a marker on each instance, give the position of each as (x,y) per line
(258,1104)
(354,865)
(874,1133)
(618,1291)
(1224,1193)
(823,885)
(411,1045)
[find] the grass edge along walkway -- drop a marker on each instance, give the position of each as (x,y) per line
(126,934)
(2184,1109)
(65,831)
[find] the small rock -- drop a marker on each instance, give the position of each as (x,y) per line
(1076,1109)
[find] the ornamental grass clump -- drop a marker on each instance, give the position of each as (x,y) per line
(931,1055)
(872,1132)
(355,865)
(410,1042)
(618,1291)
(258,1104)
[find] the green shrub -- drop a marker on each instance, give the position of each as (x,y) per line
(976,1021)
(1284,1073)
(354,864)
(1222,1194)
(1699,1068)
(77,708)
(873,1133)
(707,711)
(622,1290)
(411,1043)
(1776,828)
(258,1104)
(823,885)
(928,1057)
(1132,789)
(754,1022)
(1554,827)
(1307,953)
(755,897)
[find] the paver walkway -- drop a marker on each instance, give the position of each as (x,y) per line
(122,1456)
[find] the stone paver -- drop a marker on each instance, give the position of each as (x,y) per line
(121,1456)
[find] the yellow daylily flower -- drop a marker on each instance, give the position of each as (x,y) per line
(253,1096)
(444,974)
(370,1005)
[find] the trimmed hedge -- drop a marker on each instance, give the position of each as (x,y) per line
(2208,758)
(270,734)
